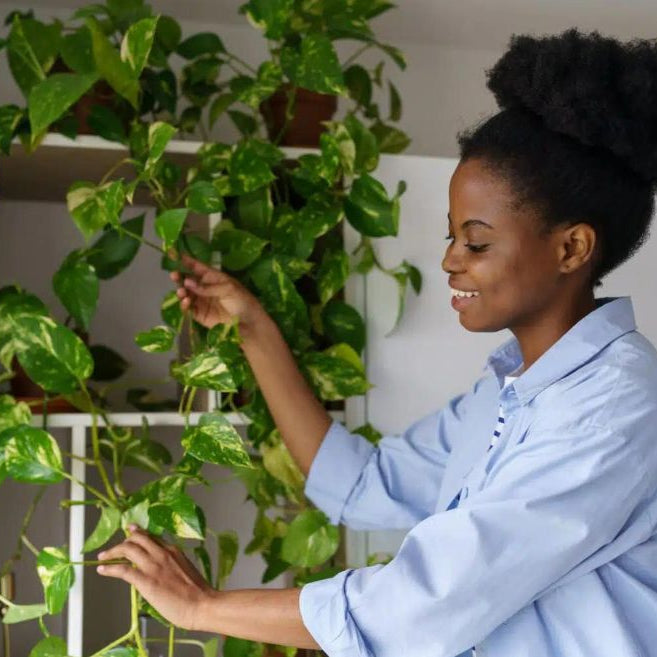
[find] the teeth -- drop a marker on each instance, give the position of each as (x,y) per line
(460,293)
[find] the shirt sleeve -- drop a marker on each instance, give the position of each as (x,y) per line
(394,485)
(548,504)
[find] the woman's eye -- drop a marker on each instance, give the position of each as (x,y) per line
(476,248)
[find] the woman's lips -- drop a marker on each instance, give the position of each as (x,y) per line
(461,303)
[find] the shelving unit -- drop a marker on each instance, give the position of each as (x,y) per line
(45,175)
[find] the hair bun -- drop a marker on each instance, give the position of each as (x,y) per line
(595,89)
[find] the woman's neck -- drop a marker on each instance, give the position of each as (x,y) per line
(538,335)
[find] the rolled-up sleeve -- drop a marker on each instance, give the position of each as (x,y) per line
(394,485)
(548,504)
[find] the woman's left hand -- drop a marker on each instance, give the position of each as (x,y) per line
(163,576)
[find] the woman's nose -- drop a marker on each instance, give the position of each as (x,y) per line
(451,264)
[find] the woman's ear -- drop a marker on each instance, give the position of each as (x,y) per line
(576,247)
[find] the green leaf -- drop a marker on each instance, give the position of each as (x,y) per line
(395,54)
(32,456)
(215,440)
(234,647)
(248,169)
(220,104)
(169,224)
(52,355)
(77,287)
(310,539)
(359,84)
(280,465)
(13,413)
(245,123)
(20,613)
(389,138)
(204,43)
(116,72)
(315,66)
(395,103)
(332,274)
(228,546)
(32,48)
(367,150)
(271,16)
(115,249)
(168,33)
(204,198)
(369,432)
(108,364)
(181,516)
(238,248)
(10,117)
(156,340)
(92,207)
(171,312)
(51,646)
(77,51)
(137,44)
(211,648)
(136,515)
(255,211)
(159,135)
(108,525)
(56,575)
(107,124)
(50,98)
(343,323)
(204,559)
(207,369)
(369,210)
(336,374)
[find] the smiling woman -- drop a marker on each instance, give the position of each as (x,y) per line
(531,499)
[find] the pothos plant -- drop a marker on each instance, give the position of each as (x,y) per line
(280,235)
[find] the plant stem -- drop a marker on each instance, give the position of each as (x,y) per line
(100,563)
(79,458)
(117,642)
(357,54)
(141,239)
(6,568)
(5,602)
(91,489)
(118,165)
(242,62)
(96,449)
(134,612)
(172,632)
(30,545)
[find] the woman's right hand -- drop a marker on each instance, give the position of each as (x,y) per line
(214,297)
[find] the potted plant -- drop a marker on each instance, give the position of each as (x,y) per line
(280,236)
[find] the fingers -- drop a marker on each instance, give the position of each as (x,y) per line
(124,572)
(130,551)
(148,543)
(207,290)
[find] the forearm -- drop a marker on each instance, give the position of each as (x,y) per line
(298,414)
(265,615)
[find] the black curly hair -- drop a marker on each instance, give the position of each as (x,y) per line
(576,136)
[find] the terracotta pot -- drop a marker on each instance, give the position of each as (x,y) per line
(311,108)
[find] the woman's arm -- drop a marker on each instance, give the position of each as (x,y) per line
(168,581)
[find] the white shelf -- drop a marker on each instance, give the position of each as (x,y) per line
(47,173)
(70,420)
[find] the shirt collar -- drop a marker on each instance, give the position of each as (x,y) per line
(611,318)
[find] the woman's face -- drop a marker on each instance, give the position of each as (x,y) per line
(497,250)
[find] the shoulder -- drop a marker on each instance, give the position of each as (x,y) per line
(615,389)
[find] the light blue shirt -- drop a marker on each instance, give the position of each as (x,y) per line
(543,546)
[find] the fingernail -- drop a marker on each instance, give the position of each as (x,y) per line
(190,282)
(132,527)
(101,555)
(101,569)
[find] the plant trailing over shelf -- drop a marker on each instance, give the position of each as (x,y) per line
(280,235)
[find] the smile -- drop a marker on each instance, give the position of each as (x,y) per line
(464,293)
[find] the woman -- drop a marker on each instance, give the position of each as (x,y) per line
(531,499)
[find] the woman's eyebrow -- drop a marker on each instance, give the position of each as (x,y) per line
(471,222)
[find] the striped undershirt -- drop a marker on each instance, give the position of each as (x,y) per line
(497,432)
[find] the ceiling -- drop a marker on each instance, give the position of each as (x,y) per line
(474,24)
